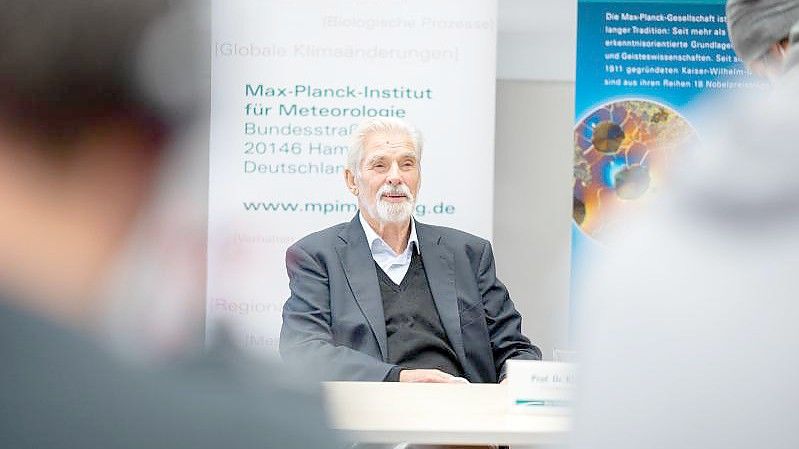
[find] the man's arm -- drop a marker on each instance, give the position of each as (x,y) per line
(306,337)
(504,321)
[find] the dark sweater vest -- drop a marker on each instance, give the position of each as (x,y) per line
(416,337)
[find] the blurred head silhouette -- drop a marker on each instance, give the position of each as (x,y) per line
(91,93)
(687,330)
(84,120)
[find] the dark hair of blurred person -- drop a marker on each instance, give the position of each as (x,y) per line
(84,120)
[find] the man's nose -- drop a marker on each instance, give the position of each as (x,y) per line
(393,175)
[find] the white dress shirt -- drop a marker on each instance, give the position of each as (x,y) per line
(393,264)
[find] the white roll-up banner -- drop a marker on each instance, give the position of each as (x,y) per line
(290,82)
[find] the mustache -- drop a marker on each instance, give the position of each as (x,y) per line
(400,189)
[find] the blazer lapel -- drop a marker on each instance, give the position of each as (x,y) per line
(359,267)
(439,265)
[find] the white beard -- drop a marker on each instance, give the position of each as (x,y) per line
(389,212)
(394,212)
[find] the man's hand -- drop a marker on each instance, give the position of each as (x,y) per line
(429,376)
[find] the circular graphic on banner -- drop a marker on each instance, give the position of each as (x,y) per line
(622,152)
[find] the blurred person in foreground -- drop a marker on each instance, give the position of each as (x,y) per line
(689,333)
(384,297)
(83,129)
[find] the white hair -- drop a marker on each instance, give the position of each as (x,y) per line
(379,125)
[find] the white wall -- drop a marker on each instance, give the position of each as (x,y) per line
(532,204)
(536,50)
(537,39)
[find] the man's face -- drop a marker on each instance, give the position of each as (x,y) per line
(388,178)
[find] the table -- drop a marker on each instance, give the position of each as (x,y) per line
(391,412)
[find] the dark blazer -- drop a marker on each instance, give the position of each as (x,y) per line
(334,319)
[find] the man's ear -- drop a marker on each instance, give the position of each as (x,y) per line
(349,178)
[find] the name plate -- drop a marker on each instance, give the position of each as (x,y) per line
(541,387)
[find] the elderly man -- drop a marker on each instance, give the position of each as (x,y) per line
(384,297)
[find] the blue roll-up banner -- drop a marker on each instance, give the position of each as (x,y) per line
(642,68)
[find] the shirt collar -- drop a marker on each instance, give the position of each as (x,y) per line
(373,239)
